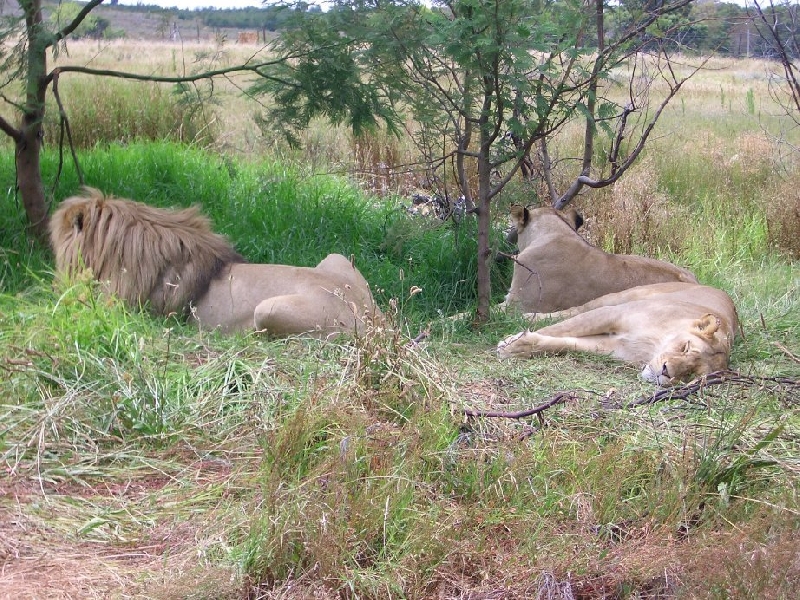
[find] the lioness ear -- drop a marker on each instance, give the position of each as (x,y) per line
(708,325)
(573,218)
(520,215)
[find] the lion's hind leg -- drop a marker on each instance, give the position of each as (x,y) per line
(301,313)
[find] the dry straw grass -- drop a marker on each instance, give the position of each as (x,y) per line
(636,217)
(781,207)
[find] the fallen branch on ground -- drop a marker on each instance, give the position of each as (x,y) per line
(784,384)
(777,384)
(557,398)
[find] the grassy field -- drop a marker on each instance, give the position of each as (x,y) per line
(143,459)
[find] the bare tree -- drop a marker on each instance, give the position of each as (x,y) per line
(778,26)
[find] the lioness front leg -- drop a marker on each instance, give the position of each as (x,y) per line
(528,343)
(600,331)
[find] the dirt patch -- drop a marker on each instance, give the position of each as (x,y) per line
(114,537)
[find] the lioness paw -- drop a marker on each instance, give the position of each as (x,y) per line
(516,345)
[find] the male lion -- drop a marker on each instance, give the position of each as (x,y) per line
(171,261)
(677,330)
(557,269)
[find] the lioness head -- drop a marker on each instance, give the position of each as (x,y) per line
(521,217)
(703,349)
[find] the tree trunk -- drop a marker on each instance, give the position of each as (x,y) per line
(484,228)
(29,179)
(28,145)
(484,253)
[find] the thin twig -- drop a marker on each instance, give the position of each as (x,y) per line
(787,352)
(424,333)
(64,126)
(557,398)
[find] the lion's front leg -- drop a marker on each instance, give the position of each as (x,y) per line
(527,343)
(520,345)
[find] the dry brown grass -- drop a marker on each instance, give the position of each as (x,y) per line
(123,537)
(635,216)
(782,211)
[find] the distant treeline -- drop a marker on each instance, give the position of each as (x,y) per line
(271,18)
(720,27)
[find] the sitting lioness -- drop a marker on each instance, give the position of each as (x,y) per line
(678,331)
(171,262)
(557,269)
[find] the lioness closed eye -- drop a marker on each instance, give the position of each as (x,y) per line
(678,331)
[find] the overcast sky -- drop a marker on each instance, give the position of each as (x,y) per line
(190,4)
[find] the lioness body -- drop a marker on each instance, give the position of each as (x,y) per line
(557,269)
(677,330)
(171,261)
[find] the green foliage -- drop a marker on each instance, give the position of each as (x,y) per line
(66,12)
(324,78)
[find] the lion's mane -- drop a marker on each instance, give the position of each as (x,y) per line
(159,257)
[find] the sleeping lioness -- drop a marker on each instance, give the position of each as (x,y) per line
(677,331)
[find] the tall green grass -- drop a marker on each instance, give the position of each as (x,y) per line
(125,111)
(272,213)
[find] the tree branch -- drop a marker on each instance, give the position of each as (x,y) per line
(181,79)
(779,45)
(62,113)
(10,130)
(87,8)
(718,378)
(557,398)
(584,180)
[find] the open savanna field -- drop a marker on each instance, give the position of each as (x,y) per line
(142,458)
